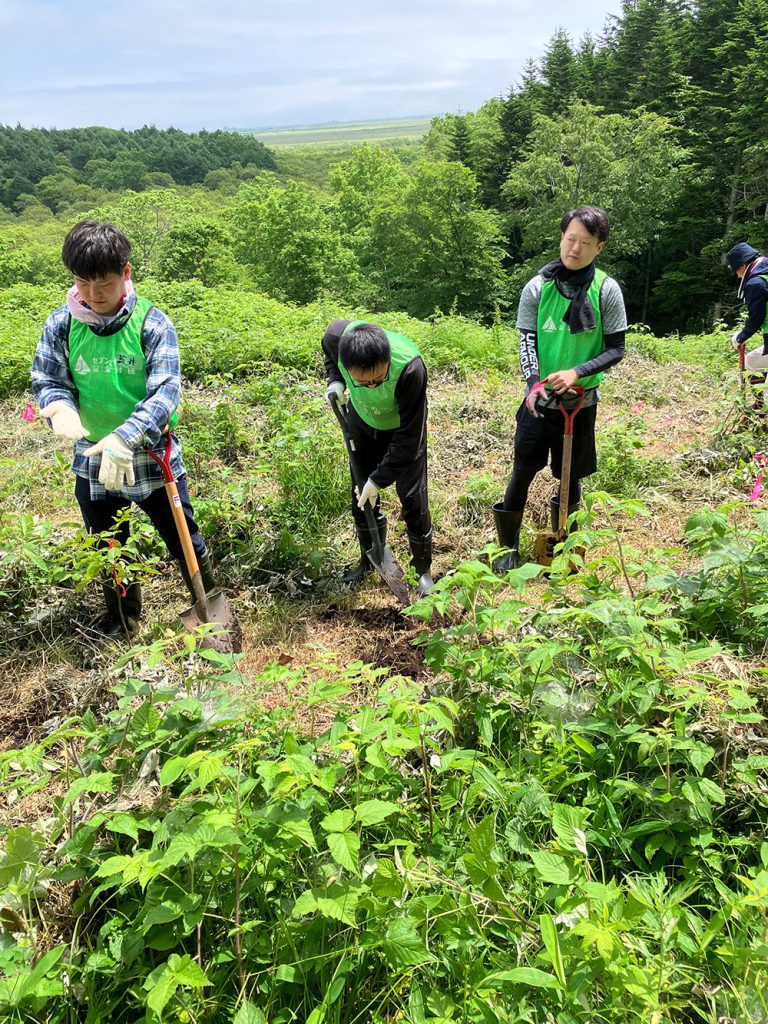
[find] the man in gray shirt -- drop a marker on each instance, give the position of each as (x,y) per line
(572,325)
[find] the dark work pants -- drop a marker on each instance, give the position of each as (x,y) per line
(100,515)
(411,484)
(540,440)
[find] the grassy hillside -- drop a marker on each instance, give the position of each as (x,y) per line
(529,799)
(343,132)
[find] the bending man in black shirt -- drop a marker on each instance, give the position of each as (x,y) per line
(383,378)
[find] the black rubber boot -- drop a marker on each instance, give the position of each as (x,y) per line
(206,574)
(421,560)
(130,606)
(357,573)
(554,511)
(508,534)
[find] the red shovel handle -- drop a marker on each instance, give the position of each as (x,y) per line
(570,415)
(742,356)
(165,462)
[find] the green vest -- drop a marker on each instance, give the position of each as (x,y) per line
(558,349)
(110,373)
(377,406)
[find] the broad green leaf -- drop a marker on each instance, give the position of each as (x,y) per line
(99,782)
(338,821)
(145,719)
(551,868)
(301,830)
(22,851)
(125,824)
(530,976)
(318,1014)
(249,1014)
(482,839)
(566,821)
(403,945)
(371,812)
(345,848)
(305,904)
(187,972)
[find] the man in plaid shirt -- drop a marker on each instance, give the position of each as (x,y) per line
(106,375)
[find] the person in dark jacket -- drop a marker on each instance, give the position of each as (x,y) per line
(751,267)
(572,326)
(382,377)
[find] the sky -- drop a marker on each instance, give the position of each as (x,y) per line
(196,64)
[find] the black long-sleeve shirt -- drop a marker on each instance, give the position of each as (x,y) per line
(405,441)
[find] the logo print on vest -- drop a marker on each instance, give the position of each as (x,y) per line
(81,366)
(550,325)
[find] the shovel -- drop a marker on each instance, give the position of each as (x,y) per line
(742,369)
(380,555)
(213,607)
(547,539)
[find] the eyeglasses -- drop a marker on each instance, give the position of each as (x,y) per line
(370,383)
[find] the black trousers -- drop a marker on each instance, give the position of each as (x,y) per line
(539,441)
(100,515)
(411,484)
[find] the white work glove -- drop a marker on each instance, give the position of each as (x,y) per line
(65,421)
(336,389)
(116,462)
(735,340)
(369,493)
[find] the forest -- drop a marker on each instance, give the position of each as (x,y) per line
(658,120)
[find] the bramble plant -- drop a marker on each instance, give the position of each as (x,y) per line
(569,826)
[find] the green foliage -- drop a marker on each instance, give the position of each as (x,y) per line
(284,234)
(630,165)
(572,825)
(726,595)
(108,159)
(624,469)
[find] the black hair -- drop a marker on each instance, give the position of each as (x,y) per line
(93,249)
(593,218)
(364,347)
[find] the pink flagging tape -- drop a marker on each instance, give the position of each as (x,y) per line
(757,490)
(29,413)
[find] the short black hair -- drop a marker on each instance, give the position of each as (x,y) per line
(93,249)
(593,218)
(364,347)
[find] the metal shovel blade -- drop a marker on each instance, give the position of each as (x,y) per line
(391,573)
(216,610)
(544,546)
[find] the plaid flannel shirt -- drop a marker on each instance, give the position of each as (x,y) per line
(52,382)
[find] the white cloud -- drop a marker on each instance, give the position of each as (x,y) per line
(247,62)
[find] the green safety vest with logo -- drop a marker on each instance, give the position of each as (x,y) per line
(558,349)
(110,373)
(378,406)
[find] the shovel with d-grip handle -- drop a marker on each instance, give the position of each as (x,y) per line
(212,607)
(546,540)
(380,555)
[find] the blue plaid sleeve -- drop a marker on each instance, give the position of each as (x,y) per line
(152,415)
(51,377)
